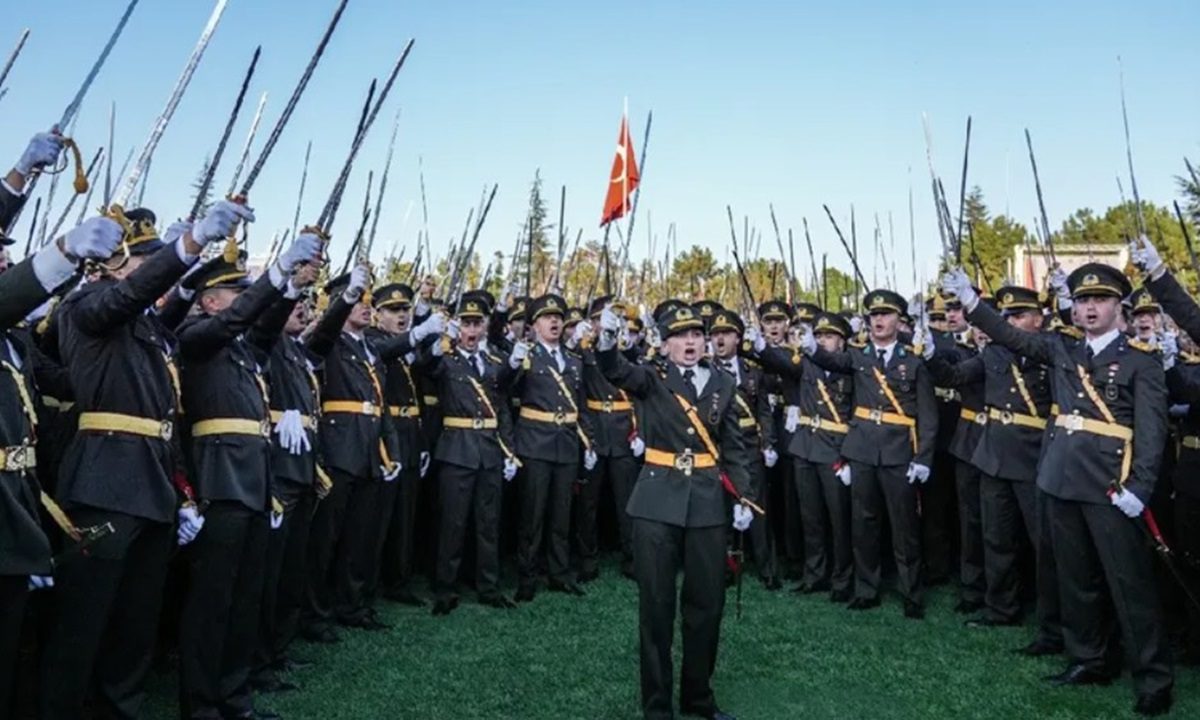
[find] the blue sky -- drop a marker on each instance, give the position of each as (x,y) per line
(793,103)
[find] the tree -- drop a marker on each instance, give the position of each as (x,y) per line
(199,183)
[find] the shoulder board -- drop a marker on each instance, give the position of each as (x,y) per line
(1071,331)
(1189,358)
(492,358)
(858,343)
(750,364)
(1143,346)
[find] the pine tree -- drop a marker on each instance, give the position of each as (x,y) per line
(205,201)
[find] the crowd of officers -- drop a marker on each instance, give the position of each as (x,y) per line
(196,459)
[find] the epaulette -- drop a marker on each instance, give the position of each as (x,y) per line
(1188,358)
(1142,345)
(493,358)
(751,364)
(1071,331)
(858,341)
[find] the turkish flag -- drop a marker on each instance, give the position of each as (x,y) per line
(624,178)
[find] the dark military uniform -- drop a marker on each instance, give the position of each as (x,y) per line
(1110,431)
(894,424)
(119,469)
(679,512)
(549,430)
(476,439)
(224,362)
(825,408)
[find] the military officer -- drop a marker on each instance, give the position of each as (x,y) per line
(1146,314)
(1101,460)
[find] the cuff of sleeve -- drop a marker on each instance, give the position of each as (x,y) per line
(184,256)
(51,267)
(185,294)
(292,292)
(9,188)
(278,279)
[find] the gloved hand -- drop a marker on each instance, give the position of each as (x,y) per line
(190,524)
(435,324)
(305,248)
(510,469)
(360,276)
(923,338)
(653,339)
(520,352)
(610,326)
(96,238)
(843,473)
(426,458)
(856,324)
(955,282)
(590,460)
(276,520)
(638,446)
(755,338)
(1127,503)
(40,582)
(770,457)
(808,341)
(1058,284)
(582,330)
(792,419)
(220,221)
(1144,255)
(1170,350)
(1179,410)
(390,473)
(43,149)
(291,432)
(742,516)
(453,329)
(918,473)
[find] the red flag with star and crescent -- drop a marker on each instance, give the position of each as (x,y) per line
(623,179)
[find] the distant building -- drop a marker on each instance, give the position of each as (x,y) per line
(1030,266)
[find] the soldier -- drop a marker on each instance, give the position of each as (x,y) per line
(782,395)
(474,455)
(757,421)
(1146,315)
(1101,459)
(393,312)
(693,447)
(890,446)
(224,350)
(120,467)
(42,151)
(549,432)
(820,473)
(25,563)
(617,445)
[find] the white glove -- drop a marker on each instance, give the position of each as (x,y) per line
(190,524)
(918,473)
(770,457)
(1170,350)
(359,277)
(435,324)
(1179,410)
(292,436)
(792,420)
(638,446)
(610,326)
(40,582)
(955,282)
(755,338)
(510,469)
(843,474)
(276,520)
(856,324)
(808,341)
(1127,503)
(305,248)
(453,329)
(1143,254)
(520,351)
(582,330)
(426,458)
(220,221)
(742,516)
(42,150)
(97,238)
(590,460)
(1058,283)
(924,339)
(653,339)
(390,474)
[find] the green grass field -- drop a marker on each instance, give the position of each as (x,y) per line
(789,656)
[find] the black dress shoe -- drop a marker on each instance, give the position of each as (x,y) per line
(966,607)
(445,606)
(772,583)
(859,603)
(1040,648)
(713,714)
(913,611)
(587,576)
(320,634)
(839,596)
(1155,703)
(565,586)
(525,593)
(1080,675)
(404,596)
(988,621)
(497,601)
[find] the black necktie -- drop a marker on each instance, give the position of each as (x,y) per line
(474,360)
(882,356)
(688,376)
(1089,354)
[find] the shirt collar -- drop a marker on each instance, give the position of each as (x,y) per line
(1098,344)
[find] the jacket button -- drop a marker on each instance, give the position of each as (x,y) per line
(691,431)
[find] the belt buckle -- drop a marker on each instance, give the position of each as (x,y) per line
(1006,417)
(368,407)
(1073,423)
(560,418)
(685,461)
(14,458)
(166,430)
(264,428)
(981,417)
(815,422)
(477,423)
(607,406)
(405,411)
(876,416)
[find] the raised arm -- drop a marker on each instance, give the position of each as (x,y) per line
(637,380)
(1176,302)
(1034,345)
(207,335)
(957,374)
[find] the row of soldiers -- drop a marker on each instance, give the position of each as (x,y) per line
(286,438)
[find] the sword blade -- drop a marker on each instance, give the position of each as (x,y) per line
(73,108)
(12,58)
(206,184)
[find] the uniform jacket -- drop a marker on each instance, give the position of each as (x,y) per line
(10,205)
(755,415)
(24,548)
(964,434)
(814,444)
(668,494)
(401,391)
(20,293)
(1079,465)
(533,383)
(611,431)
(457,397)
(293,385)
(1183,383)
